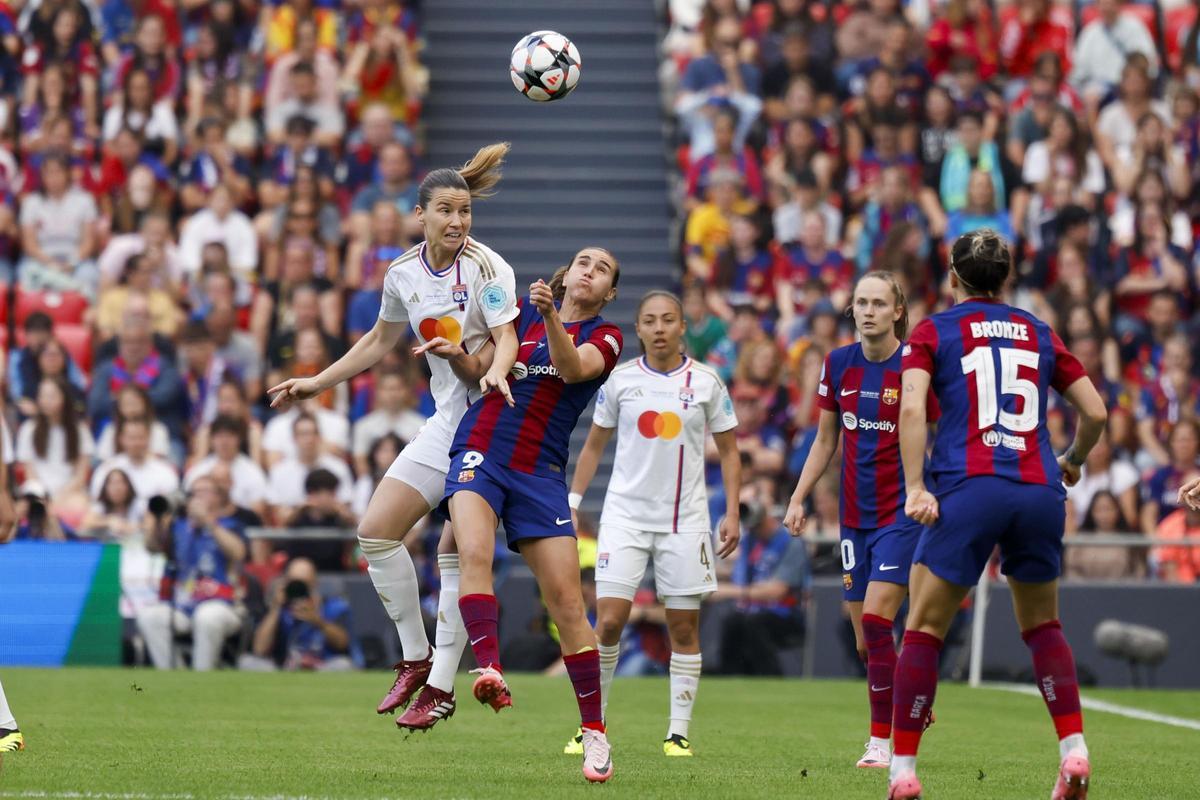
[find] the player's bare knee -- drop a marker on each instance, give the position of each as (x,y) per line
(608,628)
(683,634)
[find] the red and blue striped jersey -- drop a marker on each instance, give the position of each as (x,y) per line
(865,395)
(534,436)
(991,367)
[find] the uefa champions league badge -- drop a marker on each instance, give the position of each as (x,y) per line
(493,298)
(458,293)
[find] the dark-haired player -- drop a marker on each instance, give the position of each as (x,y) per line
(859,398)
(993,480)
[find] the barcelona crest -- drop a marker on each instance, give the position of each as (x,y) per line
(891,396)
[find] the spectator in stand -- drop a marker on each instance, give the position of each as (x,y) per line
(152,55)
(1160,491)
(133,403)
(721,76)
(24,372)
(34,520)
(760,366)
(302,630)
(744,272)
(66,43)
(51,104)
(52,361)
(808,259)
(367,261)
(303,311)
(311,357)
(1150,189)
(892,204)
(360,160)
(138,362)
(324,506)
(896,55)
(207,552)
(214,162)
(1104,516)
(138,278)
(393,412)
(1032,123)
(280,24)
(133,195)
(216,66)
(153,236)
(708,225)
(279,441)
(384,69)
(286,491)
(1179,563)
(1143,355)
(54,448)
(963,28)
(785,16)
(232,404)
(306,216)
(235,348)
(302,238)
(769,581)
(382,453)
(113,516)
(704,329)
(150,475)
(393,183)
(1172,398)
(938,133)
(1028,34)
(1149,265)
(202,372)
(756,435)
(979,212)
(222,222)
(744,327)
(1103,471)
(796,58)
(1154,151)
(1103,46)
(1064,153)
(1116,128)
(249,483)
(150,118)
(802,152)
(281,87)
(804,195)
(973,152)
(725,156)
(57,233)
(305,101)
(299,149)
(861,35)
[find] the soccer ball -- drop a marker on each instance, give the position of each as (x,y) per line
(545,66)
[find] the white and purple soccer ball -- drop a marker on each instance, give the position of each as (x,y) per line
(545,66)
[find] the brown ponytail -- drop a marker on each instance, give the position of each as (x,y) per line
(901,326)
(556,283)
(478,176)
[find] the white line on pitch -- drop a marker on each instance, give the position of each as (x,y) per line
(1092,704)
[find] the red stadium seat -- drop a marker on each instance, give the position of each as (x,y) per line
(77,339)
(1178,22)
(62,307)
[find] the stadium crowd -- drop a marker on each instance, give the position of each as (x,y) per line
(198,199)
(818,140)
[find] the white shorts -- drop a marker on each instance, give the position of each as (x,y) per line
(683,562)
(424,462)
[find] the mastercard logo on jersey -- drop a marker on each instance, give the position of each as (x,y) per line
(446,327)
(654,425)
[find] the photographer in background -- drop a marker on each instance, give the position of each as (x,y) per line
(302,630)
(204,551)
(322,508)
(33,521)
(770,579)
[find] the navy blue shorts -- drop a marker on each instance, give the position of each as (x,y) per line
(530,506)
(1025,519)
(877,554)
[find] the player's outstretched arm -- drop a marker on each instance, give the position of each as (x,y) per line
(365,353)
(588,461)
(920,506)
(819,456)
(503,358)
(467,367)
(730,530)
(1093,415)
(574,364)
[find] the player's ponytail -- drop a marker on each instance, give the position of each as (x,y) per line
(981,259)
(901,325)
(478,176)
(556,283)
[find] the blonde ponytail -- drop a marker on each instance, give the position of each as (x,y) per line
(482,172)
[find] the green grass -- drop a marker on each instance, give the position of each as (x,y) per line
(232,734)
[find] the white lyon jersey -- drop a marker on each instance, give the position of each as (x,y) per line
(661,419)
(460,303)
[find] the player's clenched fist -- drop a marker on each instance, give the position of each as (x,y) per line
(542,297)
(794,520)
(921,506)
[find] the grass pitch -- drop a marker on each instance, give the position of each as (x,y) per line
(142,734)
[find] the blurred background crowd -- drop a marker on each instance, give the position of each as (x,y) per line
(200,197)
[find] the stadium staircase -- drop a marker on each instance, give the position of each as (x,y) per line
(589,169)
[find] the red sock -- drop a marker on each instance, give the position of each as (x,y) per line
(480,615)
(915,686)
(1054,666)
(584,669)
(881,667)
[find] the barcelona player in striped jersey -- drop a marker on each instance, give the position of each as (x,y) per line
(992,479)
(508,464)
(859,398)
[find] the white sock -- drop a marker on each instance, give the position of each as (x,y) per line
(685,684)
(885,744)
(609,654)
(1066,745)
(901,765)
(395,578)
(6,715)
(450,637)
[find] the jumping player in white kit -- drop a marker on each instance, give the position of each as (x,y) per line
(662,406)
(449,288)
